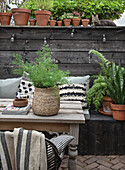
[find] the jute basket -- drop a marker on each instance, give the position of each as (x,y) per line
(46,101)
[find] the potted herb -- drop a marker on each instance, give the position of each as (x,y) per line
(76,18)
(99,93)
(45,76)
(116,87)
(43,11)
(67,18)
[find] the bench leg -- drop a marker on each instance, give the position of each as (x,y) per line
(72,163)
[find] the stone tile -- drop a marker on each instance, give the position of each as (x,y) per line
(91,166)
(87,156)
(81,158)
(101,167)
(105,163)
(82,164)
(115,161)
(91,160)
(118,166)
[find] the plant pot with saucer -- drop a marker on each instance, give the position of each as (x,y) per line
(45,76)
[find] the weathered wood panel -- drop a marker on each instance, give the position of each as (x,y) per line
(101,135)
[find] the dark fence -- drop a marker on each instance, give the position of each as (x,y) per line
(70,46)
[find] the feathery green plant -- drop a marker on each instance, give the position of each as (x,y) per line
(99,88)
(43,72)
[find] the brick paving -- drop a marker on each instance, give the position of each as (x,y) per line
(91,162)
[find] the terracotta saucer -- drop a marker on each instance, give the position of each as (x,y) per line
(20,102)
(104,113)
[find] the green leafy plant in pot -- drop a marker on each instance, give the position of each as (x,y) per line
(99,93)
(116,87)
(43,13)
(45,76)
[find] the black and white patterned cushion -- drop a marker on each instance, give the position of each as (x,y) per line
(74,92)
(26,90)
(61,142)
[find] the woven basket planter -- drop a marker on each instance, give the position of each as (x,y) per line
(46,101)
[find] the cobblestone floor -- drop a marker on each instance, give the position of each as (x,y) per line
(96,163)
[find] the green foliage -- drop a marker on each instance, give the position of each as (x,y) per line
(43,72)
(45,5)
(67,16)
(116,84)
(29,4)
(99,88)
(110,81)
(106,9)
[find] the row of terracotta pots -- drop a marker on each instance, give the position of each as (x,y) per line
(21,17)
(111,109)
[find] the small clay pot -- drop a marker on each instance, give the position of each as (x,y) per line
(59,23)
(85,22)
(67,22)
(20,102)
(76,21)
(5,18)
(32,22)
(52,22)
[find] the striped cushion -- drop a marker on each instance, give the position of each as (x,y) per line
(74,92)
(26,90)
(61,142)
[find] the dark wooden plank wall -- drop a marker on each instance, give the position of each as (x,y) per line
(101,134)
(70,52)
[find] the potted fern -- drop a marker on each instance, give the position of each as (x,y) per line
(45,76)
(99,93)
(116,87)
(43,13)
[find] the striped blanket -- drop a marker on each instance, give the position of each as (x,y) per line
(23,150)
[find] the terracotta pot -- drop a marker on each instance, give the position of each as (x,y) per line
(67,22)
(21,16)
(32,22)
(42,17)
(118,112)
(52,22)
(5,18)
(75,21)
(59,23)
(85,22)
(106,103)
(46,101)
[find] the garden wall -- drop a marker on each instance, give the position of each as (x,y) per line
(69,47)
